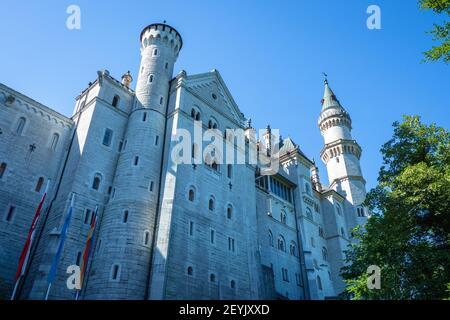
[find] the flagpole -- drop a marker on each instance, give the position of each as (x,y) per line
(13,296)
(48,291)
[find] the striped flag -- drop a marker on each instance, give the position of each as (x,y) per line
(52,273)
(88,246)
(26,249)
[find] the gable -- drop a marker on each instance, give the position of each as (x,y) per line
(211,88)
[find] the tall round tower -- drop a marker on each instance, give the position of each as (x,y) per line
(341,153)
(122,264)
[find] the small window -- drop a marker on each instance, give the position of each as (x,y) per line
(2,169)
(285,275)
(107,137)
(146,237)
(39,184)
(191,195)
(281,244)
(337,159)
(161,100)
(115,272)
(324,254)
(229,212)
(96,182)
(231,244)
(293,249)
(110,190)
(215,166)
(54,142)
(229,171)
(211,204)
(313,242)
(20,125)
(155,52)
(119,149)
(87,216)
(115,101)
(166,65)
(150,78)
(212,277)
(144,116)
(150,186)
(191,228)
(283,217)
(125,216)
(232,284)
(156,140)
(10,214)
(214,96)
(342,232)
(78,259)
(213,236)
(136,160)
(190,271)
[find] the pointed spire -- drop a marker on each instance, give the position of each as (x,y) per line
(329,99)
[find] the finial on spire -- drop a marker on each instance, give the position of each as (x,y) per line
(164,21)
(325,78)
(249,123)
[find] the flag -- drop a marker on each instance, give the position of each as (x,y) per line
(52,273)
(88,245)
(24,255)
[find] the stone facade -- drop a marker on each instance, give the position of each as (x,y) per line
(167,230)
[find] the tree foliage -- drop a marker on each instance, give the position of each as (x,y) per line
(408,234)
(440,33)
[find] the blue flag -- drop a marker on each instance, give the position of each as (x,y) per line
(57,256)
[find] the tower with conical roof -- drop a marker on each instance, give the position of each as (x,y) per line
(341,153)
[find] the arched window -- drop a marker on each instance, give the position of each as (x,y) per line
(193,113)
(212,277)
(324,254)
(190,271)
(191,195)
(20,125)
(150,78)
(283,217)
(309,213)
(270,238)
(39,184)
(96,182)
(229,212)
(2,169)
(281,244)
(115,101)
(54,142)
(211,204)
(197,116)
(293,249)
(319,283)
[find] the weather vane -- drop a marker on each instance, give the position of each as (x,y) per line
(326,76)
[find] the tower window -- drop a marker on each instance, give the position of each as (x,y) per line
(150,78)
(155,52)
(2,169)
(107,137)
(229,171)
(166,66)
(283,217)
(115,101)
(10,214)
(150,186)
(212,277)
(156,140)
(190,271)
(211,204)
(96,182)
(87,216)
(191,195)
(293,249)
(146,237)
(136,160)
(54,141)
(231,246)
(213,236)
(125,216)
(39,184)
(319,283)
(144,116)
(229,212)
(284,273)
(20,125)
(161,100)
(281,244)
(115,272)
(191,228)
(270,239)
(232,284)
(324,254)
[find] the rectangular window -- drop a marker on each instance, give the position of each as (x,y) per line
(120,146)
(213,236)
(107,137)
(87,216)
(231,246)
(10,214)
(150,186)
(156,140)
(191,228)
(144,116)
(136,160)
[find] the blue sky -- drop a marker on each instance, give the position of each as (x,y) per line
(270,53)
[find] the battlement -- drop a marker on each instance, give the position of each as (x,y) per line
(161,33)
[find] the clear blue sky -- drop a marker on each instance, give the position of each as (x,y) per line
(270,54)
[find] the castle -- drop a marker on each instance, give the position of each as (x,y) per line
(168,231)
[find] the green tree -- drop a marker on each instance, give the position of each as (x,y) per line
(440,33)
(408,234)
